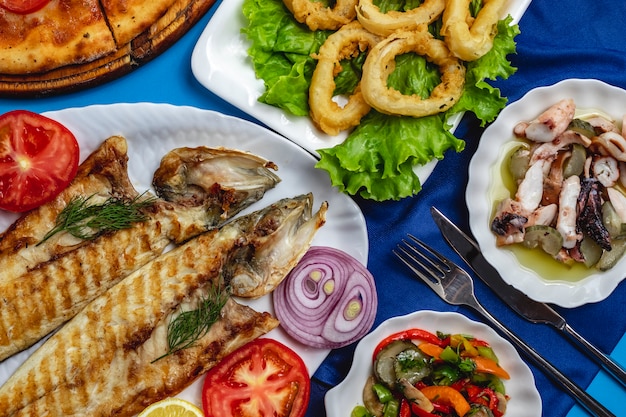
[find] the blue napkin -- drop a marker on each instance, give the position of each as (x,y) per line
(576,39)
(605,389)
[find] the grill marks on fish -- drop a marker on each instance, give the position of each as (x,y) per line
(42,286)
(104,172)
(99,349)
(36,304)
(102,362)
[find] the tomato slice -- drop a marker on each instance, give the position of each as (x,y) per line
(262,378)
(23,6)
(38,159)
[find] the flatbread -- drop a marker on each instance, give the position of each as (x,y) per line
(129,18)
(64,32)
(70,45)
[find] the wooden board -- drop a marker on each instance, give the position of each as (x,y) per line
(181,16)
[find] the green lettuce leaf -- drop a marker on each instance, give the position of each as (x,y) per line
(478,96)
(376,161)
(281,51)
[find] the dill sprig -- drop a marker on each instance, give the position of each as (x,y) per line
(189,326)
(88,221)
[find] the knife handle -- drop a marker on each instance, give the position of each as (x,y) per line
(605,361)
(590,404)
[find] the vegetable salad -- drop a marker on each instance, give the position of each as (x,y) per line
(423,374)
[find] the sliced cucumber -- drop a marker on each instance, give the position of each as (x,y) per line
(583,127)
(401,359)
(591,251)
(412,364)
(386,359)
(575,164)
(519,162)
(612,221)
(610,257)
(547,238)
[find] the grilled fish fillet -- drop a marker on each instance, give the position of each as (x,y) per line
(102,362)
(104,172)
(43,286)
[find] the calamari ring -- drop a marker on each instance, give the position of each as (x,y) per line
(380,63)
(466,39)
(329,116)
(317,16)
(384,24)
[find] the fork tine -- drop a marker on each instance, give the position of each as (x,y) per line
(419,262)
(441,266)
(407,258)
(442,275)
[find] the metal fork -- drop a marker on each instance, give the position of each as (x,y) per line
(456,286)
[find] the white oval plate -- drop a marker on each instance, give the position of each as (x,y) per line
(154,129)
(587,94)
(525,400)
(220,63)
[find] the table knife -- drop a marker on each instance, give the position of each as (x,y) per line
(525,306)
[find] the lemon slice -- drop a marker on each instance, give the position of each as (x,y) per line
(172,407)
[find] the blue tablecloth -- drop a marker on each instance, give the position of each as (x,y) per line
(559,40)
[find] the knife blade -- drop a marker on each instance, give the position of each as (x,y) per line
(531,310)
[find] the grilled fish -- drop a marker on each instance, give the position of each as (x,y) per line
(211,185)
(271,252)
(112,357)
(44,285)
(104,172)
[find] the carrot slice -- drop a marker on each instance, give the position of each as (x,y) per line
(449,396)
(430,349)
(490,366)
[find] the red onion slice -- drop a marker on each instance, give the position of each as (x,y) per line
(328,300)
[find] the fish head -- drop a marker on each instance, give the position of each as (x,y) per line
(216,182)
(281,235)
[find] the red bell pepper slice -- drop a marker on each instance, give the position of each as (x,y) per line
(419,412)
(442,408)
(484,396)
(410,334)
(405,408)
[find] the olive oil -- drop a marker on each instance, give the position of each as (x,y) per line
(548,268)
(503,185)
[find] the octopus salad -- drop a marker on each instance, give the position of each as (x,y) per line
(569,171)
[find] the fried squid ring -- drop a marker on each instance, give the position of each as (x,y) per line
(329,116)
(317,16)
(372,19)
(466,39)
(380,63)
